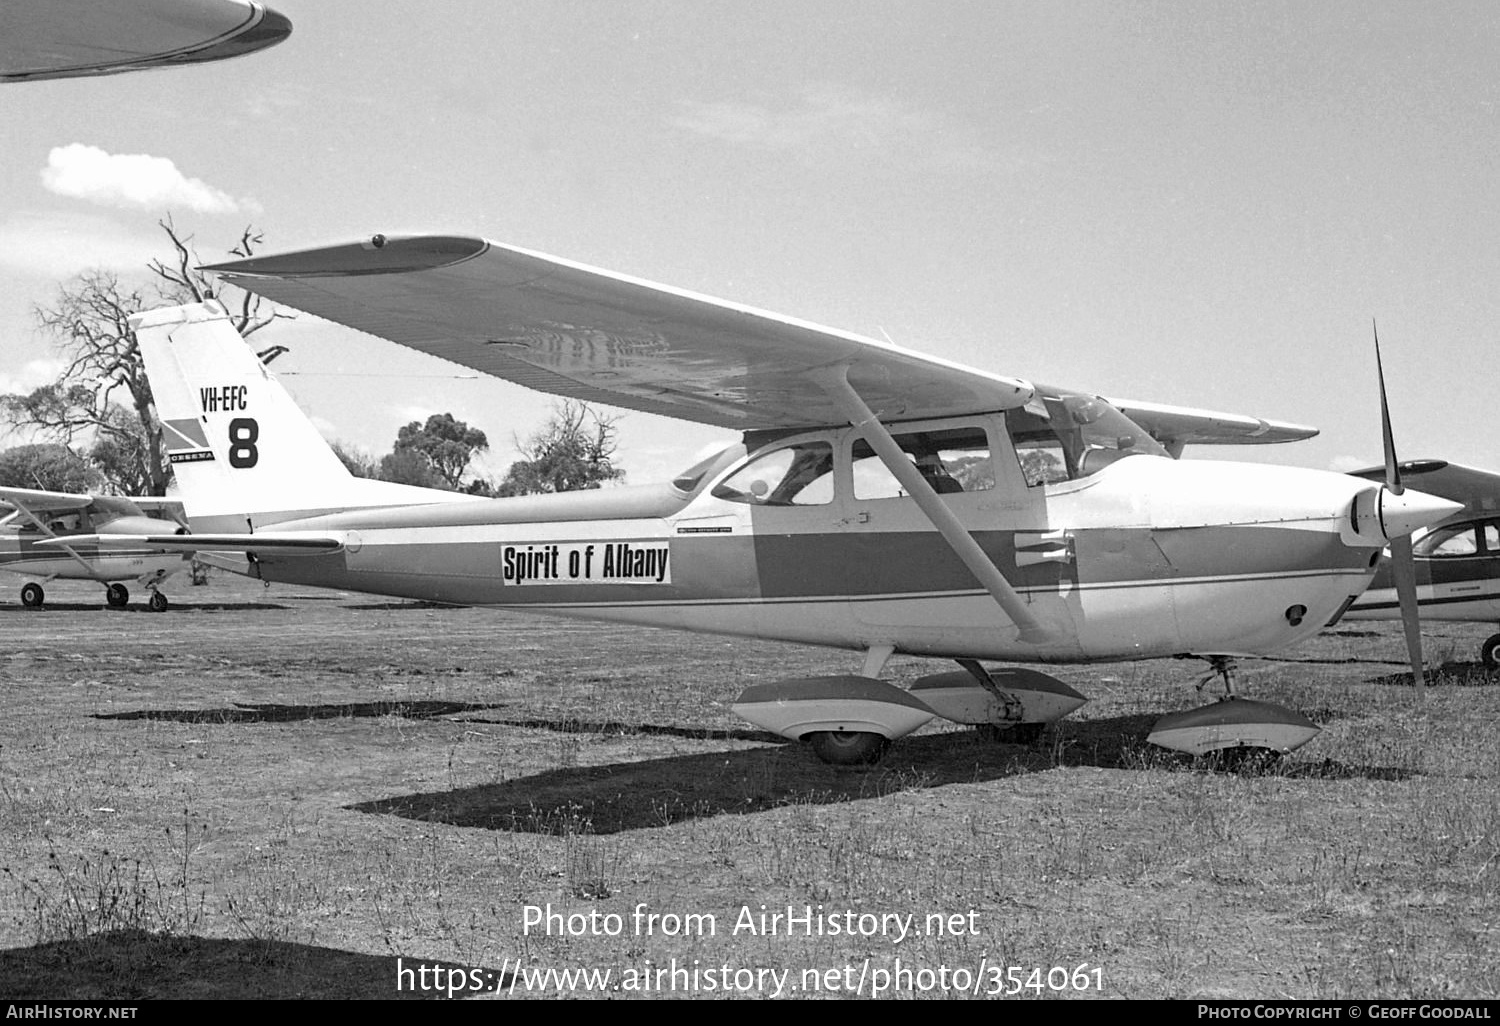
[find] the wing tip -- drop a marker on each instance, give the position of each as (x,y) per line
(377,254)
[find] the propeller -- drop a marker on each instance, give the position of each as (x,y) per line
(1403,569)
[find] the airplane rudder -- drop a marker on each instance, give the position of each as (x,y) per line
(227,421)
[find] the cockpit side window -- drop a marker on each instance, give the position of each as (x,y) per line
(1459,540)
(951,460)
(70,522)
(795,475)
(1062,436)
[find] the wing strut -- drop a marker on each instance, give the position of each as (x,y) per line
(835,381)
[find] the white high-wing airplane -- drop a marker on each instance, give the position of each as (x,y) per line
(1457,561)
(65,518)
(43,39)
(881,500)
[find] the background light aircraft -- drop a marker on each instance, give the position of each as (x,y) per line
(1457,561)
(1067,534)
(42,39)
(68,521)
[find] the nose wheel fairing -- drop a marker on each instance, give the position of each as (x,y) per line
(1232,723)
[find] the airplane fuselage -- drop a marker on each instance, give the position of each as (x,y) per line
(19,554)
(1144,558)
(1457,567)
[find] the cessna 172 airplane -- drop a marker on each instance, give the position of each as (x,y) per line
(880,500)
(62,517)
(44,39)
(1457,561)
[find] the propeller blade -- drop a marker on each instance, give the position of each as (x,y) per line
(1404,573)
(1403,569)
(1387,438)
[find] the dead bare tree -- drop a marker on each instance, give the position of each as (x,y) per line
(102,394)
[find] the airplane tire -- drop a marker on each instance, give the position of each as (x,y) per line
(1017,734)
(117,595)
(32,595)
(848,747)
(1248,760)
(1489,652)
(158,602)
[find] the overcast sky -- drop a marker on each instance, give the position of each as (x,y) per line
(1194,203)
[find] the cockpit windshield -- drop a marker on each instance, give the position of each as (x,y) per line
(1065,436)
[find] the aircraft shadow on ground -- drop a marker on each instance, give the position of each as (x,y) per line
(652,793)
(133,964)
(616,728)
(100,607)
(273,713)
(408,604)
(1451,674)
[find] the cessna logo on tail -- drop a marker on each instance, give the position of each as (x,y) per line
(224,398)
(601,563)
(185,441)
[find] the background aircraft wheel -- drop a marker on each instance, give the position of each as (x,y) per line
(158,602)
(1489,652)
(1249,759)
(1016,734)
(32,595)
(117,595)
(848,747)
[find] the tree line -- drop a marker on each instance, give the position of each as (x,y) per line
(99,430)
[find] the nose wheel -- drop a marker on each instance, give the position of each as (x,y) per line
(158,602)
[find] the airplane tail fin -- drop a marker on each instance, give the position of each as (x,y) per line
(242,452)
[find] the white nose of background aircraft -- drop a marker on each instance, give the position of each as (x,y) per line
(880,500)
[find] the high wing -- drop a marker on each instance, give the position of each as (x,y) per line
(1478,490)
(577,331)
(156,504)
(35,502)
(42,39)
(1176,426)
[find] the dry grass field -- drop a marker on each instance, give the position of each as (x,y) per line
(291,793)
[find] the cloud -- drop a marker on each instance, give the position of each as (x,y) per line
(131,180)
(833,117)
(1345,464)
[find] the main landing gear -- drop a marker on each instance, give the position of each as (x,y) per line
(1489,652)
(848,747)
(32,595)
(1232,728)
(851,720)
(117,595)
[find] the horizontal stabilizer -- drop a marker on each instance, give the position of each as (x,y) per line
(286,543)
